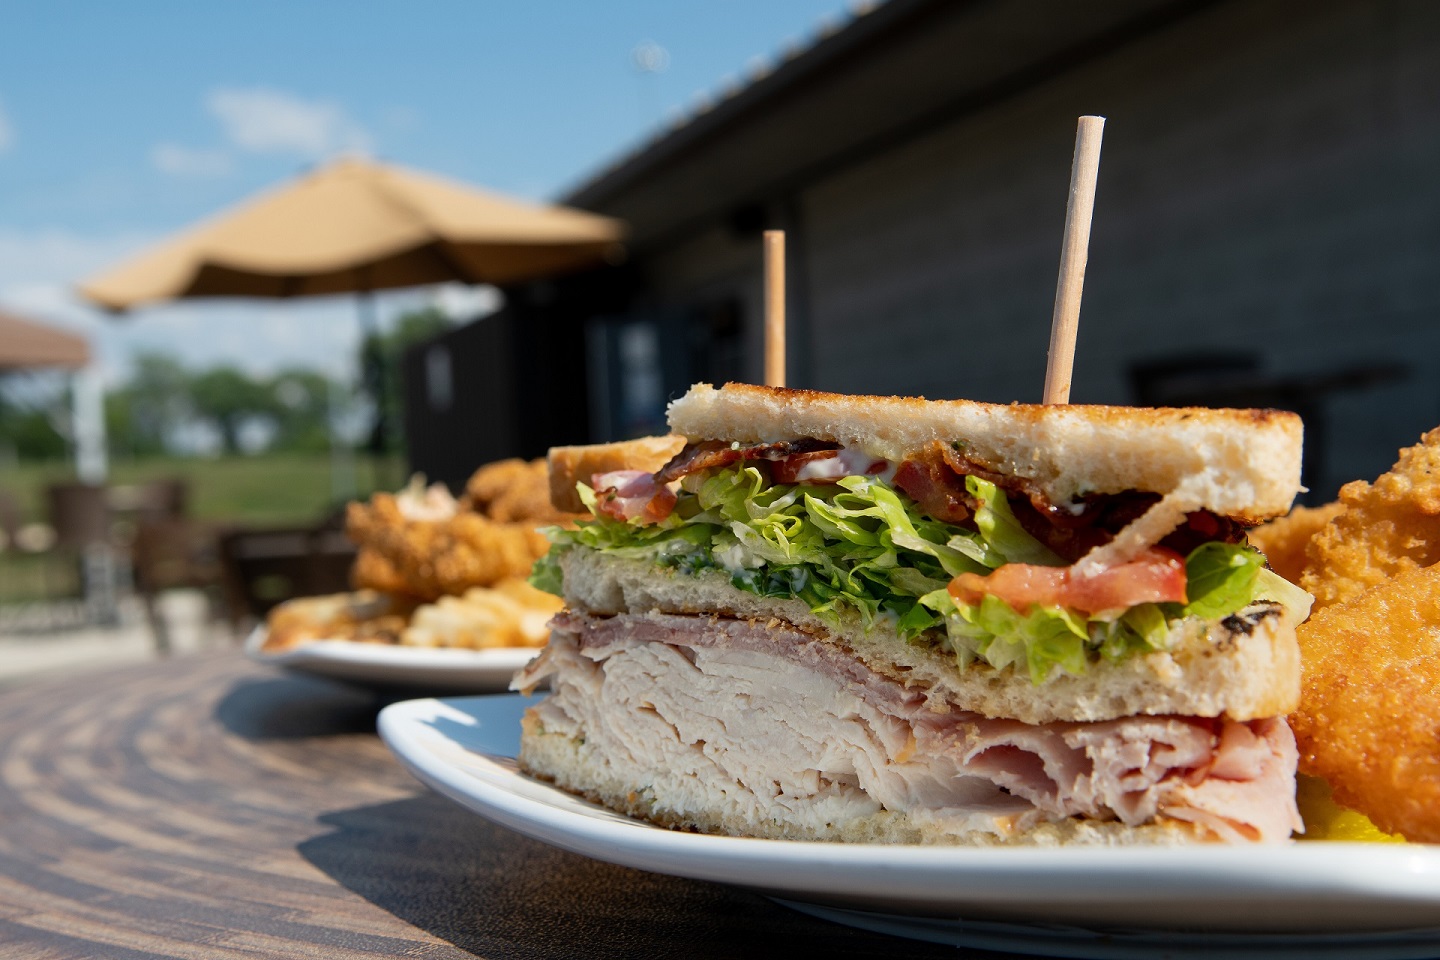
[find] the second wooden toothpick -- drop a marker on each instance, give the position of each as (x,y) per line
(1074,251)
(775,308)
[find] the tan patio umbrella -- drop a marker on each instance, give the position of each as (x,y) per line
(355,225)
(359,226)
(26,346)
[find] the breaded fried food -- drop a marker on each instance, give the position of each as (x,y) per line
(513,490)
(363,616)
(371,571)
(424,543)
(434,558)
(510,614)
(1369,717)
(1284,540)
(1386,528)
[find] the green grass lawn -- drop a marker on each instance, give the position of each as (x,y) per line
(259,491)
(270,489)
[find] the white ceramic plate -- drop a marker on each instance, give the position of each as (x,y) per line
(427,669)
(1313,900)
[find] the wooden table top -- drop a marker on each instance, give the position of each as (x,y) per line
(207,807)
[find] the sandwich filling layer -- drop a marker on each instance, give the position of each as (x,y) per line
(944,551)
(759,728)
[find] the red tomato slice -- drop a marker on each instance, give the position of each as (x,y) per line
(1156,576)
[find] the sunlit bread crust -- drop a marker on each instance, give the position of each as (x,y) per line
(1245,667)
(1248,460)
(571,465)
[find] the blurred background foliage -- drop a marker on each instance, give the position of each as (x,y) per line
(257,449)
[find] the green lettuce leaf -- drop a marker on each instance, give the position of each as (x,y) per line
(1220,578)
(1269,585)
(546,574)
(1003,532)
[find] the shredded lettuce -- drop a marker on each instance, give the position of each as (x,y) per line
(1002,531)
(859,547)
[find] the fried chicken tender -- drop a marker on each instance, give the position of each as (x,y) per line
(423,543)
(1369,717)
(513,490)
(372,571)
(1285,539)
(1386,528)
(435,558)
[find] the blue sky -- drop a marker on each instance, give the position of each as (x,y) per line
(123,121)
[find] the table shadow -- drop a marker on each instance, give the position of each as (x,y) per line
(496,894)
(295,708)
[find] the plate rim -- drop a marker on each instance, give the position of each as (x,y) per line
(1372,871)
(390,669)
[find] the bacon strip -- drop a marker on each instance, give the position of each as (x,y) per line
(717,453)
(939,490)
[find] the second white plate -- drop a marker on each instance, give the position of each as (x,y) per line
(425,669)
(1319,899)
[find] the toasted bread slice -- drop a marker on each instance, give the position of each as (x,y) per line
(1236,463)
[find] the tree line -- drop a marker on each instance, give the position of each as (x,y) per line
(166,408)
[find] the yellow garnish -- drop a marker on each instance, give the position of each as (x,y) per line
(1327,820)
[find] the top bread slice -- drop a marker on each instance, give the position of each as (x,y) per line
(1236,463)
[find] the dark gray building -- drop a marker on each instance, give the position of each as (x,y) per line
(1267,228)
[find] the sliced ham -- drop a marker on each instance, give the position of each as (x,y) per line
(748,714)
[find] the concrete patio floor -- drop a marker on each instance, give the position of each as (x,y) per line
(28,653)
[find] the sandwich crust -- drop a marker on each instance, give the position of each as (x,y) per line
(1237,463)
(1244,667)
(571,465)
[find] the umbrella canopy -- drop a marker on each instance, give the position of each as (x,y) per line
(355,225)
(25,346)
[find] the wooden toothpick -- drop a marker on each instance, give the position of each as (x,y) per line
(1074,251)
(775,308)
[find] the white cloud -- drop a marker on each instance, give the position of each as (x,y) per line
(180,161)
(262,120)
(7,130)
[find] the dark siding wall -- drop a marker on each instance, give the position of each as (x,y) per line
(447,441)
(518,380)
(1267,187)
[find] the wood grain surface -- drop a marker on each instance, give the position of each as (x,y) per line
(206,807)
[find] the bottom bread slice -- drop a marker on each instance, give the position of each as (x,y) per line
(755,728)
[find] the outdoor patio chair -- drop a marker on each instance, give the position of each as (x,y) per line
(172,553)
(266,567)
(10,520)
(80,517)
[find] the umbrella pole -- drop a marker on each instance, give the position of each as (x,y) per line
(375,378)
(339,403)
